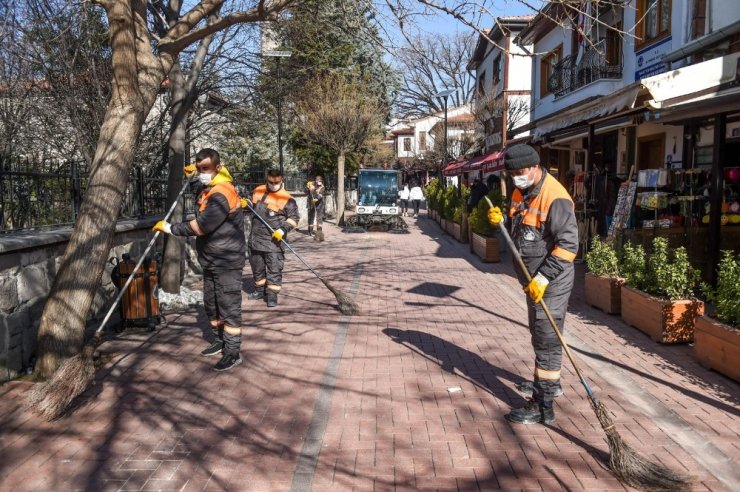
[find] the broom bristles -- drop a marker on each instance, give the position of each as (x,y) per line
(346,304)
(632,468)
(49,400)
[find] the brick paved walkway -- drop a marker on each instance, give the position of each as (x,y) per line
(408,395)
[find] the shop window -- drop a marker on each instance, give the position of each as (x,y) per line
(654,20)
(548,67)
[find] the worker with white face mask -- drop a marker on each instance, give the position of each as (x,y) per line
(545,231)
(279,209)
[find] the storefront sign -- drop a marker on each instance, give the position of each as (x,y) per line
(494,139)
(650,60)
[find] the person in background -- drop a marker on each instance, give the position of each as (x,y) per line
(477,192)
(416,196)
(403,196)
(278,208)
(316,205)
(545,231)
(218,228)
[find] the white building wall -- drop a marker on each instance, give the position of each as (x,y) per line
(520,68)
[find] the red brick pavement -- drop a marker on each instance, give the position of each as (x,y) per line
(408,395)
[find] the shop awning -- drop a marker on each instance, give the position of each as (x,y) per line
(624,98)
(692,81)
(454,168)
(487,162)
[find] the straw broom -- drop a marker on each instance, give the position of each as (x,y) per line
(50,399)
(346,304)
(626,464)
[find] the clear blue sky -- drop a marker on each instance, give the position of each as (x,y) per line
(442,23)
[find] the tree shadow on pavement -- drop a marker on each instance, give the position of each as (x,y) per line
(470,366)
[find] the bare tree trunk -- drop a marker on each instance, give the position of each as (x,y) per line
(63,321)
(173,248)
(340,188)
(62,327)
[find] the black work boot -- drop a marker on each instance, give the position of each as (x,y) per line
(533,412)
(214,348)
(228,361)
(257,294)
(271,298)
(527,387)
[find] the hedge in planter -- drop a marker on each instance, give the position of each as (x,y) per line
(602,281)
(658,298)
(717,341)
(484,241)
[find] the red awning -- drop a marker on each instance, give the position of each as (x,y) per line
(454,168)
(494,162)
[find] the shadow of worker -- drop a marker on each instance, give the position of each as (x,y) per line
(461,362)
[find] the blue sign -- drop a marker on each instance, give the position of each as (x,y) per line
(650,62)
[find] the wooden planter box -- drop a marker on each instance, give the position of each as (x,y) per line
(453,229)
(664,321)
(486,248)
(717,346)
(604,293)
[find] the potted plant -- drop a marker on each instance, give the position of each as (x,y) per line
(602,281)
(717,338)
(658,295)
(450,200)
(483,235)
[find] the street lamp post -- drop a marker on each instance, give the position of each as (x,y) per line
(444,95)
(279,55)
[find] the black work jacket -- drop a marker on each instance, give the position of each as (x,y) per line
(279,209)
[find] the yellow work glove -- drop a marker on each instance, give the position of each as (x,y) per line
(495,217)
(278,234)
(315,201)
(536,287)
(163,226)
(190,170)
(246,202)
(310,185)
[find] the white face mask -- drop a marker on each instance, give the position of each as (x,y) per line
(205,178)
(523,182)
(274,187)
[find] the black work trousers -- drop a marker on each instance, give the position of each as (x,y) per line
(416,206)
(547,349)
(316,211)
(267,268)
(222,296)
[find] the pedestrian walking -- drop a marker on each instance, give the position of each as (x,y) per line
(316,206)
(403,196)
(545,231)
(266,255)
(416,196)
(477,192)
(218,228)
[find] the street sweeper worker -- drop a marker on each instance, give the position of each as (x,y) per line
(279,209)
(218,227)
(316,203)
(545,231)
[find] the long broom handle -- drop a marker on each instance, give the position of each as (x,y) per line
(284,242)
(528,277)
(139,263)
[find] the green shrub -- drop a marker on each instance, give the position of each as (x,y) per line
(726,297)
(669,272)
(431,192)
(478,218)
(450,201)
(457,214)
(602,259)
(633,265)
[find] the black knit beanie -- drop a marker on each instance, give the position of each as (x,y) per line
(520,156)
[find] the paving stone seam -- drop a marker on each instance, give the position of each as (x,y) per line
(308,458)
